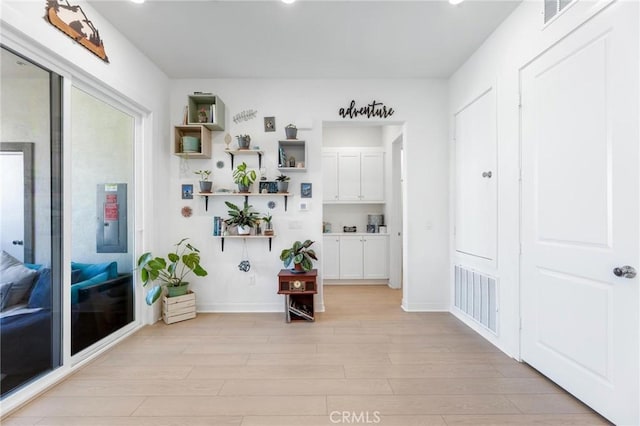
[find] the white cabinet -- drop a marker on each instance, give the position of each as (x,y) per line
(331,257)
(351,264)
(330,176)
(353,176)
(356,257)
(375,257)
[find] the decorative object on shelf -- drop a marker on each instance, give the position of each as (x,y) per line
(71,20)
(244,141)
(202,115)
(292,161)
(268,187)
(263,174)
(220,164)
(170,272)
(186,211)
(205,184)
(350,228)
(300,255)
(244,218)
(305,190)
(374,109)
(227,140)
(283,183)
(187,191)
(245,115)
(291,131)
(268,226)
(190,144)
(269,124)
(244,177)
(185,116)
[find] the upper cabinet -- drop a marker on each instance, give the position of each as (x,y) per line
(352,176)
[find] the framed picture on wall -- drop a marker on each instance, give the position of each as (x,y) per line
(269,124)
(305,190)
(187,191)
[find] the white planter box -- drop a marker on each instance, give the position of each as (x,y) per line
(179,308)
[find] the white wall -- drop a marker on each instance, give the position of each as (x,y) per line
(351,136)
(519,39)
(314,102)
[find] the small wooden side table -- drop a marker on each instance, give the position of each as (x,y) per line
(298,290)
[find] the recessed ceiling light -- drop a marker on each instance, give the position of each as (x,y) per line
(138,1)
(454,2)
(288,1)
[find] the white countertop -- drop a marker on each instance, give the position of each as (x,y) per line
(355,233)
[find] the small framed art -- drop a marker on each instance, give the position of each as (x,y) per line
(187,191)
(306,190)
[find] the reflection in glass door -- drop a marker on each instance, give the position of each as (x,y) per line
(30,221)
(102,219)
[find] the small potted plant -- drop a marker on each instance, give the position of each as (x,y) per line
(291,131)
(244,218)
(268,227)
(243,141)
(283,183)
(170,272)
(300,255)
(205,184)
(244,177)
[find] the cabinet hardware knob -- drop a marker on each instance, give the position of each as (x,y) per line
(487,174)
(625,271)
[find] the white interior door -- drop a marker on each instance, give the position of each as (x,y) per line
(12,202)
(476,194)
(580,213)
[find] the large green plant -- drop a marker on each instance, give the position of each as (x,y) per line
(242,216)
(299,254)
(171,271)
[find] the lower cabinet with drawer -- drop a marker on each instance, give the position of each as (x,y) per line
(356,257)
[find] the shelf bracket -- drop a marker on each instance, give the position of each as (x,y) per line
(259,160)
(231,155)
(269,243)
(285,202)
(206,203)
(222,243)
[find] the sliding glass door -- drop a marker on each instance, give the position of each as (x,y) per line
(30,221)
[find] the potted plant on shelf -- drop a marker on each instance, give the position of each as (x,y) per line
(291,131)
(268,227)
(243,141)
(170,272)
(283,183)
(244,177)
(205,184)
(244,218)
(300,255)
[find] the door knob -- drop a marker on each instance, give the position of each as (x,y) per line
(17,242)
(625,271)
(487,174)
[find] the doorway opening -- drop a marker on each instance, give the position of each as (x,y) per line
(362,169)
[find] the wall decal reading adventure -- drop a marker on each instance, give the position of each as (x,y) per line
(374,109)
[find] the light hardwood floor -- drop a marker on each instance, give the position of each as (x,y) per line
(364,361)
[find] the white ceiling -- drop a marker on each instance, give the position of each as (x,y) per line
(308,39)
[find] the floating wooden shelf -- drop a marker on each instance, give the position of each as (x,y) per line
(199,131)
(246,196)
(244,237)
(233,152)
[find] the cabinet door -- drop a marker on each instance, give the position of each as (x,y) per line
(376,257)
(351,257)
(329,176)
(372,176)
(331,257)
(349,176)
